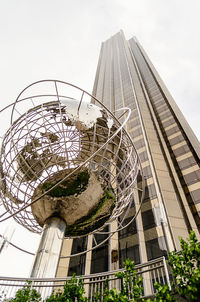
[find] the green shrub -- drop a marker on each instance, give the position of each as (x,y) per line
(26,294)
(73,291)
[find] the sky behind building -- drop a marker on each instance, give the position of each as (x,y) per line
(61,40)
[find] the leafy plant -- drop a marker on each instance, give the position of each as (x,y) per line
(131,286)
(164,294)
(185,267)
(109,295)
(73,292)
(26,294)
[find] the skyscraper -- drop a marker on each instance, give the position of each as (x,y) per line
(169,153)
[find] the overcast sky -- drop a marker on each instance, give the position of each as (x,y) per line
(61,39)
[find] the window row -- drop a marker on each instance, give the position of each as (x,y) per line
(133,123)
(192,177)
(172,130)
(150,192)
(181,150)
(139,144)
(168,122)
(194,196)
(187,162)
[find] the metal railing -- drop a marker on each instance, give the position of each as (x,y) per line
(151,272)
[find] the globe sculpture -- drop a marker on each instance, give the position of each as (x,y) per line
(66,163)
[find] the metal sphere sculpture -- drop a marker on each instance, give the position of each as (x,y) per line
(63,156)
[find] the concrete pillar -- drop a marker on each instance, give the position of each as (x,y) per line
(47,256)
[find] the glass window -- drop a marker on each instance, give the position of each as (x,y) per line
(137,132)
(133,123)
(147,172)
(196,196)
(169,122)
(139,144)
(99,261)
(176,140)
(153,249)
(143,156)
(172,131)
(160,103)
(150,192)
(187,162)
(129,230)
(157,98)
(162,109)
(131,252)
(192,177)
(165,115)
(181,150)
(77,263)
(148,220)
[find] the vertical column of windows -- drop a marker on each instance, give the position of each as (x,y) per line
(100,84)
(150,195)
(172,133)
(124,95)
(128,238)
(107,95)
(125,77)
(118,97)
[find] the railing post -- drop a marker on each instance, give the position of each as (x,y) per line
(147,283)
(88,261)
(166,273)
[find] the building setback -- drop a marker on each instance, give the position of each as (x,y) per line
(169,153)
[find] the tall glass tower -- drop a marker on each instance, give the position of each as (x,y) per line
(169,152)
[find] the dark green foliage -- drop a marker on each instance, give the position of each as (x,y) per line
(185,268)
(131,284)
(73,292)
(163,294)
(67,188)
(110,295)
(132,289)
(26,294)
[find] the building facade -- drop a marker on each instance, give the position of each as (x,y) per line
(169,154)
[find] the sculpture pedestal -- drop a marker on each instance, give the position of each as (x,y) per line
(47,256)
